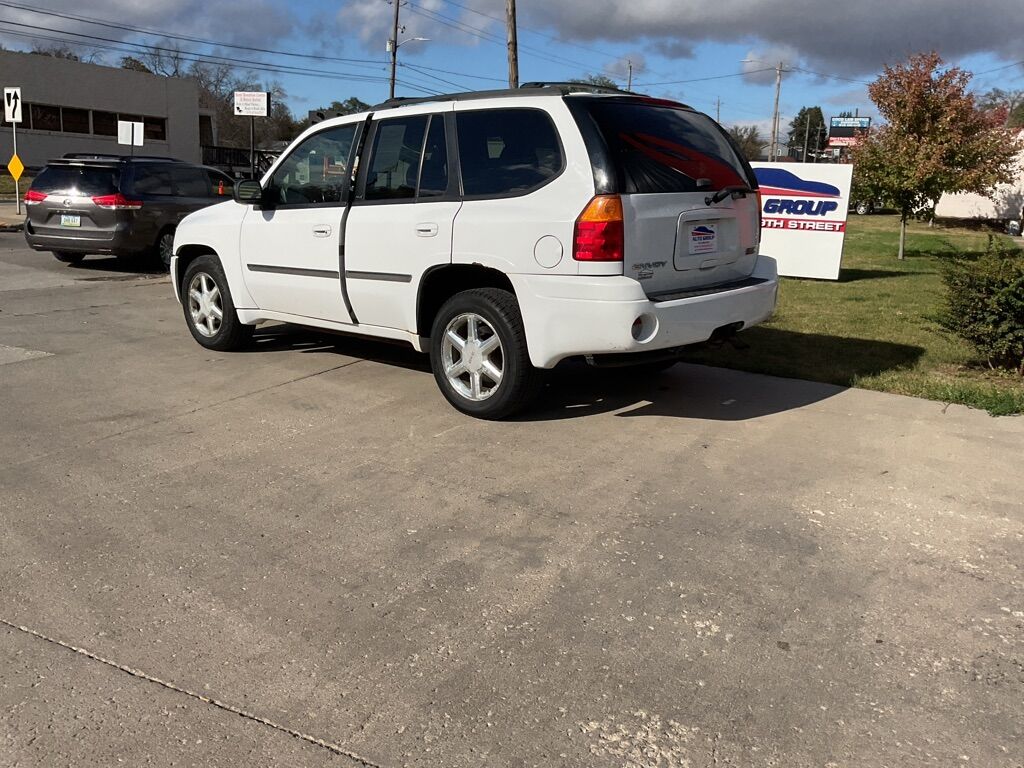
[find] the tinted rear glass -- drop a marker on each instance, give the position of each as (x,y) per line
(507,151)
(665,149)
(73,178)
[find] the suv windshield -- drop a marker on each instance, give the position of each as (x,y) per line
(659,148)
(83,180)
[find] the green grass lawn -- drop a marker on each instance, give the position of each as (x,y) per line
(7,182)
(872,329)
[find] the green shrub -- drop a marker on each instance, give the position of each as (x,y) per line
(984,304)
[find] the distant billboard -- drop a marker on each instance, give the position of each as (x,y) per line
(846,131)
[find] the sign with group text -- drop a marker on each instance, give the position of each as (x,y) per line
(803,216)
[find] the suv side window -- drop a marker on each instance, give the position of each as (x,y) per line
(505,152)
(152,180)
(317,171)
(434,172)
(395,158)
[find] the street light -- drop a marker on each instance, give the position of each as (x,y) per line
(775,112)
(393,46)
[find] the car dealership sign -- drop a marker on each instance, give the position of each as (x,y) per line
(803,216)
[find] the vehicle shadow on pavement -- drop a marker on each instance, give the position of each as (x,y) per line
(575,389)
(685,391)
(127,268)
(296,338)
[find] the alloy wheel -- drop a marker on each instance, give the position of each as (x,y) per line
(472,356)
(205,304)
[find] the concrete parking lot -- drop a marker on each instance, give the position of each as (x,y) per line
(301,555)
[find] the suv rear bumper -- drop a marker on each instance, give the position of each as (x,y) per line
(566,316)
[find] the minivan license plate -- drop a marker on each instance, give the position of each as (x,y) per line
(70,220)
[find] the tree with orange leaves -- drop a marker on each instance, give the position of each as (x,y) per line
(934,140)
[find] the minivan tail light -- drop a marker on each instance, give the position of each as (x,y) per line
(117,202)
(600,234)
(34,197)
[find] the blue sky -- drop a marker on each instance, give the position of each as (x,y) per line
(830,52)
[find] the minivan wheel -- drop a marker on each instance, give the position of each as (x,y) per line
(165,247)
(479,356)
(209,310)
(68,257)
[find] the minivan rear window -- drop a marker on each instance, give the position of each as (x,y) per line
(658,148)
(78,179)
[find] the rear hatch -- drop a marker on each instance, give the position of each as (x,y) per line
(62,201)
(667,162)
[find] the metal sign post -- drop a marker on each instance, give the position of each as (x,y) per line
(252,104)
(12,114)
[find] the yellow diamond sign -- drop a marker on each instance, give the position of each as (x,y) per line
(16,167)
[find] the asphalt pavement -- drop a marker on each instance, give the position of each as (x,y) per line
(301,556)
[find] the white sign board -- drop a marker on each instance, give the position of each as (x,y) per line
(129,133)
(803,216)
(12,105)
(252,103)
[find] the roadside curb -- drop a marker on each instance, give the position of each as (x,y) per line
(11,227)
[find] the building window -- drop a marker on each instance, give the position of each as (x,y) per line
(45,118)
(74,120)
(104,123)
(155,128)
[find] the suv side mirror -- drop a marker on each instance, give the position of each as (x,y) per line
(248,192)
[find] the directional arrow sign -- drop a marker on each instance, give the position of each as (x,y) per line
(12,105)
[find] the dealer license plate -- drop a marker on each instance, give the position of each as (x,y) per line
(703,238)
(70,220)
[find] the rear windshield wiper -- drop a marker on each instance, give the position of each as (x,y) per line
(724,192)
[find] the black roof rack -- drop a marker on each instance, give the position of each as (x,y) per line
(117,158)
(526,89)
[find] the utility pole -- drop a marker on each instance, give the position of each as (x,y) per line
(775,113)
(629,81)
(718,109)
(393,47)
(807,135)
(513,44)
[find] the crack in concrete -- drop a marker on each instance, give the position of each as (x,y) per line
(329,746)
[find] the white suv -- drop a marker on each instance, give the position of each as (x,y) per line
(501,232)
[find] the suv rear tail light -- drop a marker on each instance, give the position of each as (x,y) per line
(117,202)
(34,197)
(600,235)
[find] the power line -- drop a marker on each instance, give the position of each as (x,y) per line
(704,79)
(185,38)
(533,31)
(490,37)
(216,60)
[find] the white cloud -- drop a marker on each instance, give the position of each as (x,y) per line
(853,38)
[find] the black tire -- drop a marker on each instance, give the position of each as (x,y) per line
(864,208)
(68,257)
(520,381)
(165,247)
(230,334)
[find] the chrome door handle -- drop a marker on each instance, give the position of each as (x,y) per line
(322,230)
(426,230)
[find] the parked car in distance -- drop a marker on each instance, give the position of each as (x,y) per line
(501,232)
(112,205)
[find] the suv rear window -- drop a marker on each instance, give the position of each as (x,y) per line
(659,148)
(84,180)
